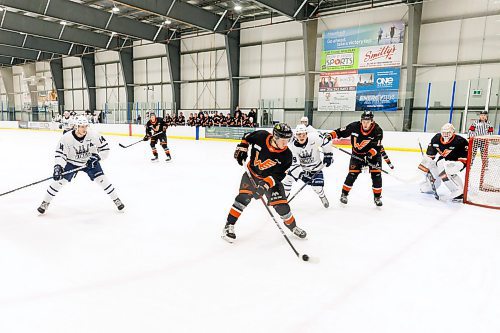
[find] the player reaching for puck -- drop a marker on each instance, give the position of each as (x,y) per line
(270,158)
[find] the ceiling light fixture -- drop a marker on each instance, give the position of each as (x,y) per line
(63,23)
(115,9)
(167,22)
(237,8)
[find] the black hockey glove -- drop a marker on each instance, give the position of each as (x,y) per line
(58,170)
(327,159)
(92,161)
(260,190)
(306,177)
(388,161)
(241,153)
(146,137)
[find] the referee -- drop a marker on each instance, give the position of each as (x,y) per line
(478,128)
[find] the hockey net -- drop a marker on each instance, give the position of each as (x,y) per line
(482,177)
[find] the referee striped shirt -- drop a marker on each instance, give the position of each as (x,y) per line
(480,128)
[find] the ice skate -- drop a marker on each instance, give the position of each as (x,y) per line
(343,199)
(325,202)
(377,201)
(154,159)
(228,233)
(298,232)
(119,204)
(43,207)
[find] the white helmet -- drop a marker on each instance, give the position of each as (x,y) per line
(300,129)
(447,131)
(81,121)
(304,120)
(66,114)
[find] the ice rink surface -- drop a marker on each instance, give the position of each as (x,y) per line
(414,265)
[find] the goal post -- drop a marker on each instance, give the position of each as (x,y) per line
(482,176)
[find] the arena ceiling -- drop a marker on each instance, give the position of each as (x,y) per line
(46,29)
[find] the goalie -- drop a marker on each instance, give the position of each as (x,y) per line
(452,159)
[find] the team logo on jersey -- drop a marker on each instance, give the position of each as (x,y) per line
(263,165)
(445,152)
(82,151)
(361,145)
(306,156)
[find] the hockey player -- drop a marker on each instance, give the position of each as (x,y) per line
(156,130)
(305,121)
(452,151)
(366,140)
(67,122)
(269,160)
(307,162)
(79,148)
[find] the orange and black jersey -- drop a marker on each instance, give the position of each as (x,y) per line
(158,126)
(453,150)
(363,142)
(266,162)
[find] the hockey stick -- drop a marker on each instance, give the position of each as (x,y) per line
(305,184)
(43,180)
(130,145)
(304,256)
(429,176)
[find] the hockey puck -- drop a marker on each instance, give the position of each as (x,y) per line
(305,257)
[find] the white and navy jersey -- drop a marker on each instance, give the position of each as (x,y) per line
(67,123)
(75,150)
(480,128)
(307,155)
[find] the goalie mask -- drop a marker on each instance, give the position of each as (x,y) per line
(447,132)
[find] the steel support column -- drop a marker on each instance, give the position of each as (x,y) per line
(29,71)
(414,23)
(56,69)
(127,66)
(88,65)
(173,47)
(309,32)
(233,63)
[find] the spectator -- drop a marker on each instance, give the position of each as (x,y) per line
(139,119)
(253,114)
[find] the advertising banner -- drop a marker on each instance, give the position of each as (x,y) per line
(339,60)
(381,56)
(378,89)
(227,132)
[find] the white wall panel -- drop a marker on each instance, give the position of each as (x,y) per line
(112,96)
(295,56)
(442,84)
(206,95)
(272,89)
(48,84)
(436,46)
(122,96)
(86,104)
(100,75)
(106,56)
(188,95)
(140,71)
(294,91)
(202,42)
(151,50)
(17,70)
(492,38)
(154,70)
(17,83)
(471,39)
(140,94)
(67,79)
(78,99)
(188,67)
(262,31)
(71,62)
(273,58)
(249,93)
(100,98)
(250,60)
(167,94)
(120,76)
(68,100)
(77,77)
(437,9)
(112,74)
(465,73)
(42,66)
(222,95)
(206,64)
(221,64)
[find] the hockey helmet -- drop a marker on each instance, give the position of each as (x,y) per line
(447,131)
(282,131)
(300,129)
(484,112)
(367,115)
(66,114)
(304,120)
(81,121)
